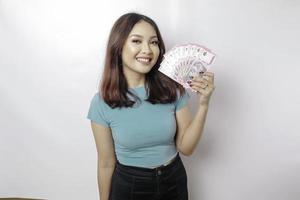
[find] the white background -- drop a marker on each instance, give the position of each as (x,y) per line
(51,56)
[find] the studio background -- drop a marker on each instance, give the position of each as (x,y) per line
(51,60)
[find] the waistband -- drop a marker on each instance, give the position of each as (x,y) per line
(148,171)
(165,164)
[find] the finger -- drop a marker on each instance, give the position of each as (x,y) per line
(208,73)
(207,78)
(201,84)
(210,78)
(199,90)
(200,79)
(202,73)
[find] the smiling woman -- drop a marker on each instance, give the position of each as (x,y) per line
(140,52)
(134,52)
(136,149)
(139,40)
(139,117)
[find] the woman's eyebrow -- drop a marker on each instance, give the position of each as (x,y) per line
(137,35)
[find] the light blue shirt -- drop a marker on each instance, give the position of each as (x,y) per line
(143,134)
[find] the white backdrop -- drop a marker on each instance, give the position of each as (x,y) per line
(51,56)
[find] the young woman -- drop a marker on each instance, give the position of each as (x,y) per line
(140,118)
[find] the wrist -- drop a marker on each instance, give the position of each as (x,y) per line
(204,101)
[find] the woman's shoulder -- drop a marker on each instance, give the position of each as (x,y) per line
(98,99)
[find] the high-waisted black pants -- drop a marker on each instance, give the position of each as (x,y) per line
(161,183)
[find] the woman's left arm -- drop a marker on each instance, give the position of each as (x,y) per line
(189,130)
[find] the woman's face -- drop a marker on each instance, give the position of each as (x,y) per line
(140,51)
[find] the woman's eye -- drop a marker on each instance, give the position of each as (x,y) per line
(136,41)
(139,41)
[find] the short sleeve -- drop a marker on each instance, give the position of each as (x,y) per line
(182,100)
(97,111)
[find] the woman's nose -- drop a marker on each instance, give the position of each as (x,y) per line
(146,49)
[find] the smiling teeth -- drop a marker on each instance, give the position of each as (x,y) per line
(143,59)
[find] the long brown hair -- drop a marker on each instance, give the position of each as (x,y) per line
(113,86)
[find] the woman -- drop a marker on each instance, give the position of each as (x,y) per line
(140,118)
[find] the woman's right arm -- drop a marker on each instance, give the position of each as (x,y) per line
(106,158)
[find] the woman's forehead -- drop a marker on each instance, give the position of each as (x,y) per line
(142,29)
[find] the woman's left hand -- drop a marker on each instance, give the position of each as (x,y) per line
(204,85)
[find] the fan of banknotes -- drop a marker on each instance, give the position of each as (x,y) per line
(184,61)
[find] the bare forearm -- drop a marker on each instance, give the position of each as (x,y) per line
(194,131)
(104,180)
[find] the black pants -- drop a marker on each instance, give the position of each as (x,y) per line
(162,183)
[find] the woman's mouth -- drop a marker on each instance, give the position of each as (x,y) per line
(144,61)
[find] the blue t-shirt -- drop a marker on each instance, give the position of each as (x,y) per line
(143,134)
